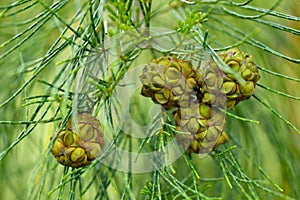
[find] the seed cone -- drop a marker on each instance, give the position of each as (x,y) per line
(204,125)
(213,86)
(170,82)
(79,144)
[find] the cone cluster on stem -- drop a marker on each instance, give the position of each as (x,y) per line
(78,144)
(198,95)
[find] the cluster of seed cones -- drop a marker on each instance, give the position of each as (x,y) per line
(78,144)
(197,96)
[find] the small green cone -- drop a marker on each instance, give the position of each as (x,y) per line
(204,125)
(240,63)
(169,81)
(78,145)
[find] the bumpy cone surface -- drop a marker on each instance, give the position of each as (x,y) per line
(170,82)
(212,85)
(205,128)
(79,144)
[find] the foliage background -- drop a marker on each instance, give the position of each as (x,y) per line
(44,40)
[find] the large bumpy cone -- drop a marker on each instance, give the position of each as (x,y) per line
(79,143)
(235,92)
(204,128)
(170,82)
